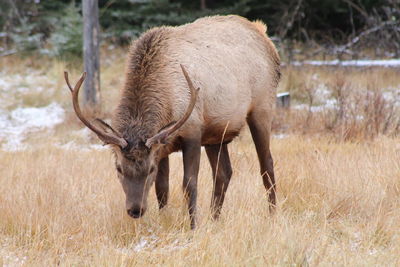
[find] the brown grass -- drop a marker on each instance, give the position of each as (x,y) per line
(366,102)
(338,204)
(338,201)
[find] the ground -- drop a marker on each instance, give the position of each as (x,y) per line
(338,190)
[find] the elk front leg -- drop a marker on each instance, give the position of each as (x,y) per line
(162,182)
(191,163)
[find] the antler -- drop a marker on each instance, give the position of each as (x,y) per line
(164,133)
(107,138)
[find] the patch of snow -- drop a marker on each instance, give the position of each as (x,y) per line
(319,108)
(331,103)
(359,117)
(175,246)
(392,95)
(34,84)
(9,81)
(97,147)
(3,83)
(152,242)
(142,244)
(306,107)
(355,242)
(15,125)
(322,93)
(372,251)
(322,100)
(11,259)
(351,63)
(280,136)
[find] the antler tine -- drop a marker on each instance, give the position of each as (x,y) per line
(67,80)
(193,96)
(108,138)
(163,134)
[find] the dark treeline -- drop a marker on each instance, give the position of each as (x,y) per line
(55,27)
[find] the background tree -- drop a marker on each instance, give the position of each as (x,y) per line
(340,26)
(91,54)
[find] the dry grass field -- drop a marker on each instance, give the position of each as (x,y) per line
(338,191)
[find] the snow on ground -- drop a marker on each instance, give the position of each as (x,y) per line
(154,244)
(11,258)
(15,89)
(392,95)
(18,118)
(351,63)
(280,136)
(25,109)
(323,99)
(15,125)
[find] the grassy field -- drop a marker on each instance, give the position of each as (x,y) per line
(338,197)
(338,205)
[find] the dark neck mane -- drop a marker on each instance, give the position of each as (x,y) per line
(144,106)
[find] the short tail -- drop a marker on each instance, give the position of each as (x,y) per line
(260,26)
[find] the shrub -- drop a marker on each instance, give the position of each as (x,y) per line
(66,39)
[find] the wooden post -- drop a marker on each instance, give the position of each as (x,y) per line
(283,100)
(91,55)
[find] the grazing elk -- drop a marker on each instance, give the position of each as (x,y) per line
(237,68)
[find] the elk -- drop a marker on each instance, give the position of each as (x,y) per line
(163,110)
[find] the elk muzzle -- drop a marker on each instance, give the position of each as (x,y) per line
(136,212)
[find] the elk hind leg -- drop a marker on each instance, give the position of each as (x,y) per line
(260,127)
(218,157)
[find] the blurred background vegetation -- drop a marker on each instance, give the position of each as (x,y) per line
(339,27)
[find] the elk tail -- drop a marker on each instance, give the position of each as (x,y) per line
(260,26)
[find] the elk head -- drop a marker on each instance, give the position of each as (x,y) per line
(136,165)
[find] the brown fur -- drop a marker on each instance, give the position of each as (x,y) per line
(144,107)
(147,102)
(236,66)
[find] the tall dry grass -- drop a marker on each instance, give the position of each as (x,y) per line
(350,104)
(338,201)
(338,204)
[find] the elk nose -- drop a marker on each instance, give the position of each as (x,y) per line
(135,212)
